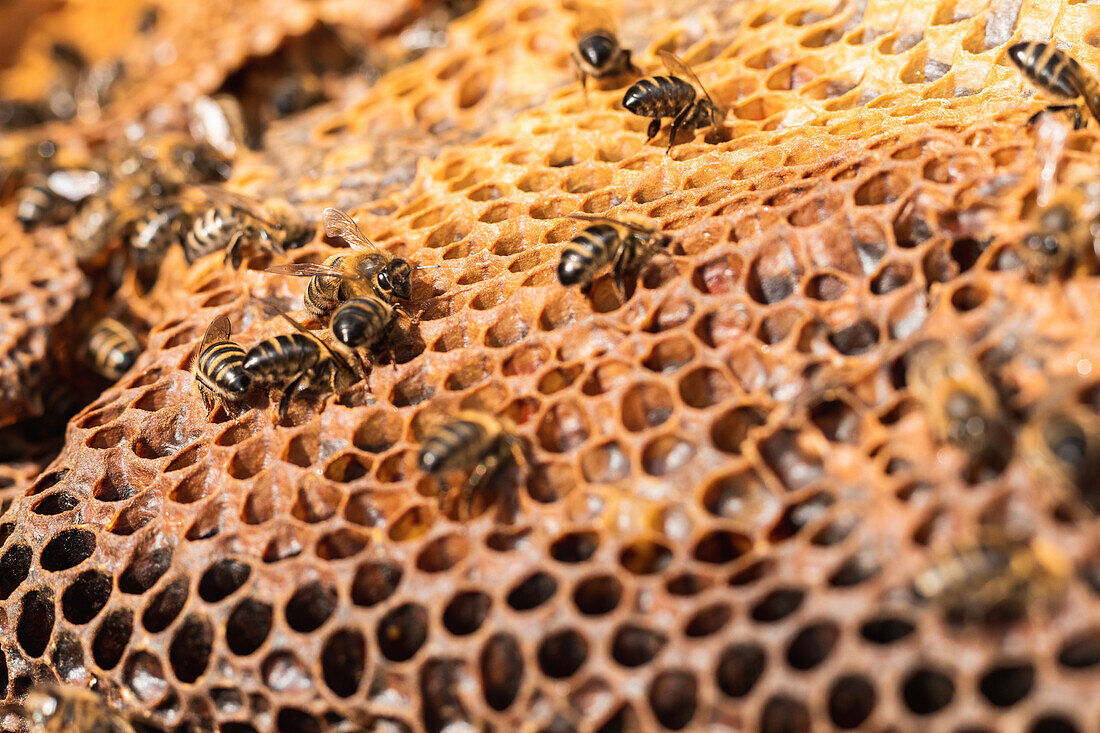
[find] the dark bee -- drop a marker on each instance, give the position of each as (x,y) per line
(360,322)
(599,55)
(470,441)
(219,122)
(686,102)
(219,366)
(625,246)
(994,577)
(298,359)
(960,404)
(70,709)
(232,221)
(368,270)
(1061,443)
(112,348)
(46,198)
(157,230)
(1062,237)
(1057,73)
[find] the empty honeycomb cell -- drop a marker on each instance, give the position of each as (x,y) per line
(502,670)
(777,604)
(575,547)
(56,503)
(249,458)
(927,691)
(139,513)
(222,579)
(852,699)
(14,567)
(153,399)
(563,427)
(186,458)
(669,354)
(282,671)
(302,449)
(812,645)
(104,438)
(442,553)
(310,606)
(708,620)
(645,406)
(1081,651)
(144,676)
(532,592)
(466,612)
(733,427)
(402,632)
(562,653)
(189,652)
(378,432)
(248,626)
(347,467)
(837,421)
(85,597)
(740,667)
(773,275)
(509,329)
(67,549)
(598,595)
(1007,684)
(111,637)
(35,624)
(343,661)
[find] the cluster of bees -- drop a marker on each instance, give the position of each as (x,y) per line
(153,201)
(76,87)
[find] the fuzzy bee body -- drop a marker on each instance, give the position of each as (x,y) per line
(687,103)
(1063,236)
(69,709)
(112,348)
(993,576)
(323,291)
(469,441)
(360,322)
(90,231)
(1061,443)
(213,230)
(623,245)
(156,231)
(599,55)
(219,365)
(1057,73)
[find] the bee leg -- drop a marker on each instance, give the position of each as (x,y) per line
(233,251)
(288,394)
(677,123)
(654,128)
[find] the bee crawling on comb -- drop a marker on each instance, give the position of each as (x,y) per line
(685,100)
(1057,73)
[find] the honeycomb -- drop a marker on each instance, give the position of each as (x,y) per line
(730,486)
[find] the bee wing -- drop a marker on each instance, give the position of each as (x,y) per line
(614,222)
(676,66)
(340,226)
(218,330)
(309,269)
(74,184)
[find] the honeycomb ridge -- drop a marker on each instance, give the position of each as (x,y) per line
(730,486)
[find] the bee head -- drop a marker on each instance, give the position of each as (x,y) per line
(394,278)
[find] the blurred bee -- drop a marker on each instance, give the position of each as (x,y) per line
(154,231)
(220,122)
(298,359)
(1057,73)
(960,404)
(295,92)
(70,709)
(219,366)
(1061,443)
(994,578)
(626,246)
(1063,236)
(686,102)
(470,441)
(232,221)
(367,271)
(46,198)
(112,348)
(598,53)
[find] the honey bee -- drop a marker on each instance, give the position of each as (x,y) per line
(112,348)
(360,322)
(1055,72)
(303,359)
(367,271)
(219,366)
(473,441)
(686,102)
(994,577)
(626,246)
(220,122)
(70,709)
(959,402)
(154,231)
(1061,443)
(233,221)
(598,53)
(1063,236)
(48,197)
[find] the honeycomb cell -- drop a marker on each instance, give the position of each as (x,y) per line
(535,590)
(222,579)
(402,632)
(343,661)
(561,654)
(109,644)
(852,699)
(708,620)
(598,595)
(163,608)
(85,597)
(248,626)
(466,612)
(189,651)
(927,691)
(310,606)
(502,670)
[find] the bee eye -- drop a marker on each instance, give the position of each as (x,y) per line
(384,280)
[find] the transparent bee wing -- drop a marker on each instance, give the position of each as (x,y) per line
(309,269)
(340,226)
(250,206)
(75,184)
(218,330)
(676,66)
(614,222)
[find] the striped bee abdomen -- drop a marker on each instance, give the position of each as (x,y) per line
(155,233)
(453,445)
(286,355)
(34,203)
(658,96)
(222,365)
(359,322)
(587,253)
(323,291)
(1047,68)
(113,348)
(211,231)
